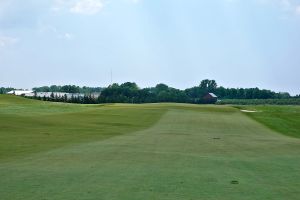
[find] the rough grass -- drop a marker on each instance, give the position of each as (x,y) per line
(283,119)
(157,151)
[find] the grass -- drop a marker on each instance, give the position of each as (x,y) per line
(29,126)
(283,119)
(152,151)
(290,101)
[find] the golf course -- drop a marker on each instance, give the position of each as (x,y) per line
(163,151)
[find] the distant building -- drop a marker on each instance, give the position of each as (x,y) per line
(20,92)
(56,95)
(95,95)
(29,93)
(32,94)
(210,98)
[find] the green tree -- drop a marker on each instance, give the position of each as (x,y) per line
(208,85)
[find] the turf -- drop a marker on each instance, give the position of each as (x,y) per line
(283,119)
(30,126)
(165,151)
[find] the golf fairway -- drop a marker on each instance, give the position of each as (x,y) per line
(152,151)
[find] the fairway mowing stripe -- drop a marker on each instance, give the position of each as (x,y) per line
(159,162)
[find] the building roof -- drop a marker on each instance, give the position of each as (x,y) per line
(213,95)
(20,92)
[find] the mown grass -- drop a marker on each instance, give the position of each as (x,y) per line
(29,126)
(133,152)
(283,119)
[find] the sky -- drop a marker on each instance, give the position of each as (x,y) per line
(238,43)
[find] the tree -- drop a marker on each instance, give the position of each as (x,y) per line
(208,85)
(4,90)
(161,87)
(52,96)
(129,92)
(65,98)
(70,89)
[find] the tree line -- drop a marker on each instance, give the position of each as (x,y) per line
(68,89)
(85,99)
(4,90)
(129,92)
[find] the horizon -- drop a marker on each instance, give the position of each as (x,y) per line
(32,89)
(179,43)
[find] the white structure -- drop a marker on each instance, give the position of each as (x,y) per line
(29,93)
(95,95)
(55,94)
(20,92)
(213,95)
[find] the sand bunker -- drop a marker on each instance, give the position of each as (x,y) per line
(249,111)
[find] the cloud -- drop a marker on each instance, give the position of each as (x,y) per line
(7,41)
(135,1)
(288,6)
(66,36)
(298,10)
(58,5)
(58,34)
(84,7)
(87,7)
(22,14)
(230,1)
(291,6)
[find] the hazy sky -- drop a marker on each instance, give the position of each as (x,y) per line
(239,43)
